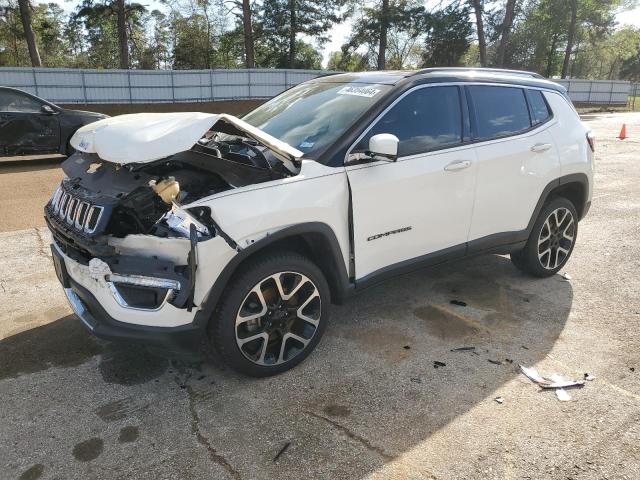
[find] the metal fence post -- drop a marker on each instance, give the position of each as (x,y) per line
(611,92)
(84,87)
(35,80)
(249,84)
(173,88)
(590,88)
(211,82)
(129,83)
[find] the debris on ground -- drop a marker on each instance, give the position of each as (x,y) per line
(437,364)
(459,303)
(416,379)
(632,369)
(553,382)
(407,347)
(500,400)
(282,450)
(532,374)
(495,362)
(566,276)
(508,360)
(526,348)
(562,383)
(463,349)
(562,395)
(589,378)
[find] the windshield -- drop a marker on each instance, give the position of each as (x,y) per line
(311,116)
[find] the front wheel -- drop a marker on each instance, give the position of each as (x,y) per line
(272,315)
(551,240)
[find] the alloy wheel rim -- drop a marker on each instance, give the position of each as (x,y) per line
(278,318)
(556,238)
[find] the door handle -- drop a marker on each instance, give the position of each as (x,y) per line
(458,165)
(540,147)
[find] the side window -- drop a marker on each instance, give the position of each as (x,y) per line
(426,119)
(539,107)
(17,102)
(499,111)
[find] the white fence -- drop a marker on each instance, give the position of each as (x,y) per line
(597,92)
(63,85)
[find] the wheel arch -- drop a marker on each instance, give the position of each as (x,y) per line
(575,191)
(315,240)
(574,187)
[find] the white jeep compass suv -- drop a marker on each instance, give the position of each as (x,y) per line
(192,229)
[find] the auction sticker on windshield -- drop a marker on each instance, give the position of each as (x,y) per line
(368,92)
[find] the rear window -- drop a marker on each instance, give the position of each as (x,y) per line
(499,111)
(539,107)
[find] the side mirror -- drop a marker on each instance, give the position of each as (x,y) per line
(47,109)
(384,146)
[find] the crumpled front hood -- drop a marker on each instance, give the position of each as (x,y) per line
(146,137)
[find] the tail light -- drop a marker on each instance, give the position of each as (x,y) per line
(591,140)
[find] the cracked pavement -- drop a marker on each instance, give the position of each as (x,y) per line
(368,403)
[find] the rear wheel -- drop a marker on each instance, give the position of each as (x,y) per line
(551,241)
(272,315)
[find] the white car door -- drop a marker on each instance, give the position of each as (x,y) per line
(422,203)
(516,160)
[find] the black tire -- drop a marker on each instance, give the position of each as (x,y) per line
(532,259)
(225,337)
(69,150)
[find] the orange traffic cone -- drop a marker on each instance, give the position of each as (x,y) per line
(623,132)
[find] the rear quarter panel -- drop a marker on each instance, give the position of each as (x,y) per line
(569,135)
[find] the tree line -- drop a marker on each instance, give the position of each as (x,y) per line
(566,38)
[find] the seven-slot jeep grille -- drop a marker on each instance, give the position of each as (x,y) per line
(75,211)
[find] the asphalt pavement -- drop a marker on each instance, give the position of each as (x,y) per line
(369,402)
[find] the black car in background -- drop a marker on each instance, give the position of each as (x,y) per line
(30,125)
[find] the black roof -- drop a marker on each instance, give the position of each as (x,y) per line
(445,74)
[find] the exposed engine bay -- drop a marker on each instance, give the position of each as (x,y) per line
(123,211)
(144,198)
(102,202)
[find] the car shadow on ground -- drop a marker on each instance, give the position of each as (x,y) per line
(372,390)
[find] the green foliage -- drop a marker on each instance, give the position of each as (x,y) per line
(407,24)
(194,34)
(448,36)
(280,25)
(99,22)
(539,39)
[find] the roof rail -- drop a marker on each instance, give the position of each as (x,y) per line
(523,73)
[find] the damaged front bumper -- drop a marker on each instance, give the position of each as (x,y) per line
(107,315)
(141,291)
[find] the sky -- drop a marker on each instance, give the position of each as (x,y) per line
(339,32)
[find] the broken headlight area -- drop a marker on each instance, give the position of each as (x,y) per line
(180,222)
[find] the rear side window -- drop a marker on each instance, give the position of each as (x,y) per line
(426,119)
(499,111)
(539,107)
